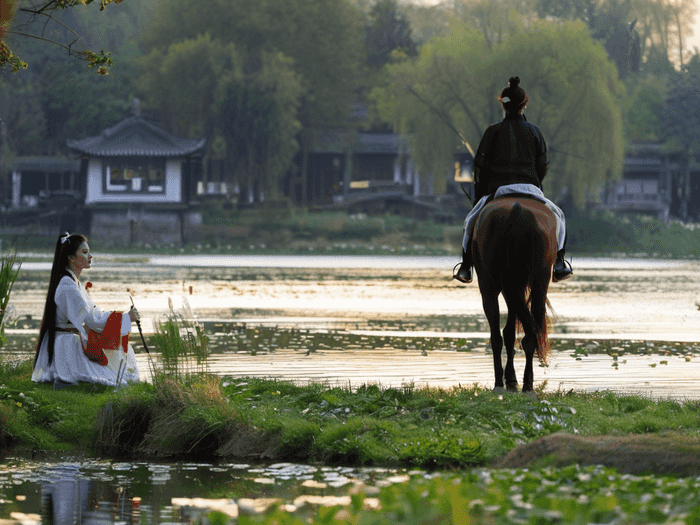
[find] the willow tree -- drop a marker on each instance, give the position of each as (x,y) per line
(448,97)
(202,86)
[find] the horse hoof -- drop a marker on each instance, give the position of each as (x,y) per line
(513,388)
(499,390)
(530,395)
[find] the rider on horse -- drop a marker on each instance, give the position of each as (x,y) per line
(512,158)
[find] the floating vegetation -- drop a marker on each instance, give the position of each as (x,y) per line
(616,348)
(254,338)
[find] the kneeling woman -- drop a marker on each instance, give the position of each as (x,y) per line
(79,342)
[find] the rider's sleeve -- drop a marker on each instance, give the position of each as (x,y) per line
(480,163)
(479,186)
(542,161)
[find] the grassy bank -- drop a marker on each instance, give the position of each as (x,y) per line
(307,232)
(597,457)
(208,418)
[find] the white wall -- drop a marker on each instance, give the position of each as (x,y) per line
(173,187)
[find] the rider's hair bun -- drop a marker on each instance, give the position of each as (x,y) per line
(514,98)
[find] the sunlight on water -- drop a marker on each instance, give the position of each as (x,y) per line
(394,320)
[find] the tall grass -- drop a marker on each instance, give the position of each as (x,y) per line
(182,345)
(9,270)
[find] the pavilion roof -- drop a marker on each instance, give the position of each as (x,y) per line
(136,137)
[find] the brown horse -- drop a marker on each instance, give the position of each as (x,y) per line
(514,247)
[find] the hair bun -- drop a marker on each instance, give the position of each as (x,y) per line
(513,82)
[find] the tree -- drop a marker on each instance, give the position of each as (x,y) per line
(258,116)
(583,10)
(663,26)
(33,23)
(428,21)
(56,97)
(680,120)
(387,31)
(451,89)
(322,37)
(202,86)
(642,108)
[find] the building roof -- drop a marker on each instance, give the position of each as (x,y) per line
(135,136)
(46,164)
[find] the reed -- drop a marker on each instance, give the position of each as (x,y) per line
(182,345)
(9,270)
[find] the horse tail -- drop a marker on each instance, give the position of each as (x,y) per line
(525,250)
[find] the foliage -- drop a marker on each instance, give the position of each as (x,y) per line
(9,270)
(387,32)
(680,118)
(258,117)
(547,495)
(608,22)
(455,427)
(642,109)
(254,113)
(56,98)
(181,82)
(450,93)
(183,346)
(605,233)
(31,16)
(653,31)
(170,418)
(320,36)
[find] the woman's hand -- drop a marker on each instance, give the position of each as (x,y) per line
(134,314)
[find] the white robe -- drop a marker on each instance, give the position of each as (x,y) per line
(75,308)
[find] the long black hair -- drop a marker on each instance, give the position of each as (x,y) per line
(66,246)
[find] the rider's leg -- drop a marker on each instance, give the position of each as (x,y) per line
(562,268)
(464,273)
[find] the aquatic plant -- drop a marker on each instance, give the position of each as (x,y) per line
(572,494)
(182,344)
(9,270)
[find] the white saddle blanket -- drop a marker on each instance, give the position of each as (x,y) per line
(527,189)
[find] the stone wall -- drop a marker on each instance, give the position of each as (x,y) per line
(142,227)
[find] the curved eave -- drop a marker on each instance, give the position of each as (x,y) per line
(136,152)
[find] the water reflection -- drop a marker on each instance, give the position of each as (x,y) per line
(102,492)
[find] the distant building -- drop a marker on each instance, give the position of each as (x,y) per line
(36,179)
(656,182)
(139,182)
(372,172)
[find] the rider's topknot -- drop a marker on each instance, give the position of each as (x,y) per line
(514,98)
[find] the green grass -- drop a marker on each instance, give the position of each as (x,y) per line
(201,416)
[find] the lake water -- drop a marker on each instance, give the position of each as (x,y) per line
(397,320)
(622,324)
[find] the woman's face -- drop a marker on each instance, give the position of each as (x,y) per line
(82,258)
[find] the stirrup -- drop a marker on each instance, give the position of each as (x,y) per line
(462,277)
(564,273)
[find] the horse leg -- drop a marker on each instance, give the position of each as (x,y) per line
(491,309)
(509,340)
(529,346)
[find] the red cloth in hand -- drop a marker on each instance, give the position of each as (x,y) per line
(109,339)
